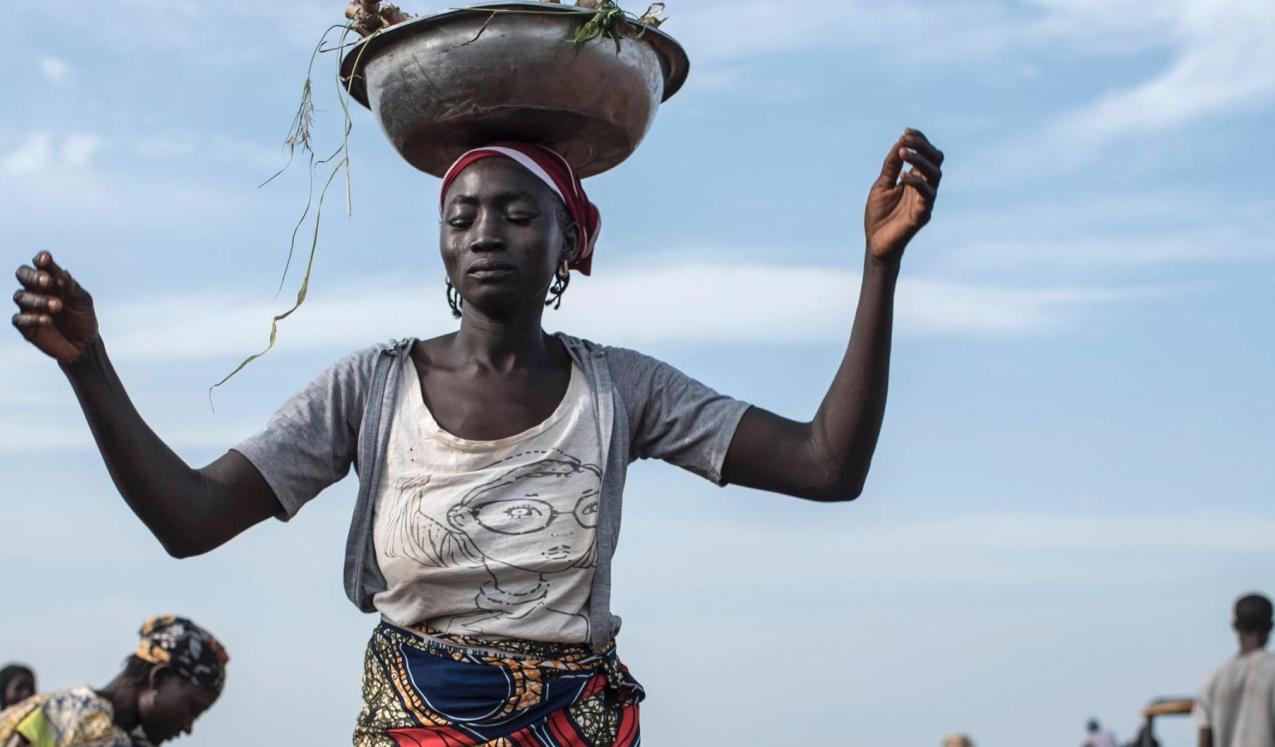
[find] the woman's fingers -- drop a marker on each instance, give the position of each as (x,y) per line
(61,281)
(916,140)
(920,163)
(45,275)
(28,301)
(893,166)
(915,149)
(30,323)
(44,261)
(33,279)
(915,180)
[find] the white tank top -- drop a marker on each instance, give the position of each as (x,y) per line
(492,538)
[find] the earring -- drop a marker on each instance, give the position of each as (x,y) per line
(561,280)
(454,299)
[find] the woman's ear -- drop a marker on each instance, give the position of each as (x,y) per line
(570,241)
(158,674)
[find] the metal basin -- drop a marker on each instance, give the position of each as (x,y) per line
(440,87)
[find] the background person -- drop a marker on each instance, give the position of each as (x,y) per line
(174,675)
(1097,736)
(1236,705)
(17,683)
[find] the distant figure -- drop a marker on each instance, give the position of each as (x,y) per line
(1236,705)
(1145,738)
(17,683)
(958,740)
(1098,736)
(175,674)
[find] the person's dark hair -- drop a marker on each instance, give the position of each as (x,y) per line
(1093,725)
(1253,614)
(137,670)
(7,674)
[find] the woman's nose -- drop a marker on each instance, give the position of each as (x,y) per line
(487,233)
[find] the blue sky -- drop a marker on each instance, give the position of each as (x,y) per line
(1074,478)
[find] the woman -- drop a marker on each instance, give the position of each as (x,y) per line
(174,675)
(17,683)
(492,460)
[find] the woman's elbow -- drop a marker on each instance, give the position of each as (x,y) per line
(839,494)
(180,549)
(835,489)
(182,545)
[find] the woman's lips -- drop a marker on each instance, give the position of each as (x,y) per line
(486,269)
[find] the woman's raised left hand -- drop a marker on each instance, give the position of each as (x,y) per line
(901,202)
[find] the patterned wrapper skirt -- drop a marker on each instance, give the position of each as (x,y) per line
(437,690)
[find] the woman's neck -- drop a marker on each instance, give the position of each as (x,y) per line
(123,694)
(501,344)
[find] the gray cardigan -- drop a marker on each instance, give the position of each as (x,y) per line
(645,409)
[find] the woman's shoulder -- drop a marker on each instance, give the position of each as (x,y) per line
(634,374)
(76,702)
(360,364)
(614,353)
(77,712)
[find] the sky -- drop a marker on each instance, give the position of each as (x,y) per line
(1074,479)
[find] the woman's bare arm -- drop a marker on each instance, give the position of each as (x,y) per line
(190,511)
(827,459)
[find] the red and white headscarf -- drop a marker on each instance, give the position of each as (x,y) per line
(552,169)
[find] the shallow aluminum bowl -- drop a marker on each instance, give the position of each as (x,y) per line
(439,87)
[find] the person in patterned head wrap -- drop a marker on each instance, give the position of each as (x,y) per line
(175,674)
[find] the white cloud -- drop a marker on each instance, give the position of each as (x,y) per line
(1015,533)
(1220,245)
(1222,52)
(723,31)
(1225,60)
(55,70)
(965,550)
(68,431)
(732,303)
(687,302)
(1221,60)
(228,31)
(32,156)
(165,146)
(79,148)
(211,145)
(42,151)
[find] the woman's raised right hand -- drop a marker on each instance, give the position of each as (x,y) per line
(54,313)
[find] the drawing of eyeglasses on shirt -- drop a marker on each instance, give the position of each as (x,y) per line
(529,514)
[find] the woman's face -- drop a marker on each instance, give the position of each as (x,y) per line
(21,687)
(172,710)
(502,237)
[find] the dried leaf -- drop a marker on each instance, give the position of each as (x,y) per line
(652,15)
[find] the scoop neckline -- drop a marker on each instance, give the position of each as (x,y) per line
(439,432)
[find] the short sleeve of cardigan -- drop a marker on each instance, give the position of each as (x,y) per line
(311,441)
(672,416)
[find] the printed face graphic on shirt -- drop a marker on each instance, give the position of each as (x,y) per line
(552,503)
(528,529)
